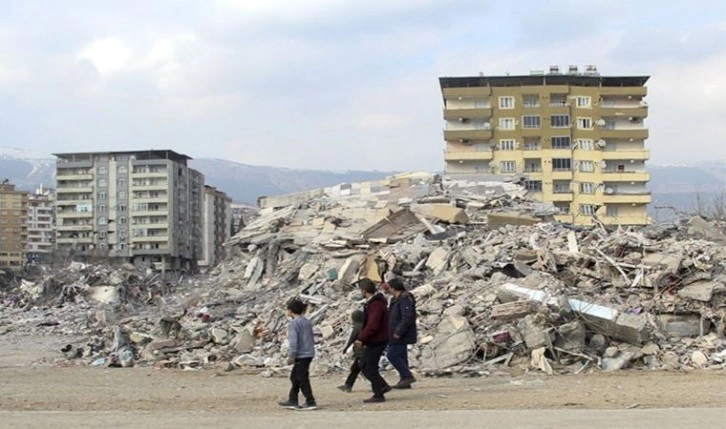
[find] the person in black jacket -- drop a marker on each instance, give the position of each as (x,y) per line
(402,319)
(356,320)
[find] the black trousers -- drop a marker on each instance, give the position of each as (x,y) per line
(369,366)
(354,372)
(300,379)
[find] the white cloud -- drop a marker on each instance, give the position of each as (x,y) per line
(108,55)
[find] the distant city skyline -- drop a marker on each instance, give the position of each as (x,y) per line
(332,85)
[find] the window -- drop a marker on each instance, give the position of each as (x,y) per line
(481,147)
(481,168)
(584,123)
(122,195)
(587,188)
(586,144)
(102,234)
(532,121)
(122,169)
(561,142)
(122,207)
(584,101)
(122,182)
(101,170)
(122,220)
(508,166)
(481,104)
(561,164)
(612,211)
(533,166)
(561,187)
(531,145)
(102,221)
(506,102)
(533,185)
(508,144)
(102,207)
(587,209)
(560,121)
(587,166)
(564,208)
(102,182)
(531,101)
(506,123)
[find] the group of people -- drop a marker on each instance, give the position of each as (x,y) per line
(382,324)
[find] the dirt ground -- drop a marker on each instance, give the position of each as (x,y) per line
(42,388)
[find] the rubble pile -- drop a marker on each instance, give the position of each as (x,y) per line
(497,285)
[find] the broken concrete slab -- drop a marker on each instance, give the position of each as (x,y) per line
(438,260)
(682,325)
(535,333)
(700,291)
(105,294)
(699,227)
(498,220)
(454,342)
(349,271)
(512,310)
(443,212)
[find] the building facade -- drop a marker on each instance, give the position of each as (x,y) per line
(143,207)
(41,226)
(216,225)
(576,139)
(13,226)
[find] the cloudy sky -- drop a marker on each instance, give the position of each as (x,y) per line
(333,84)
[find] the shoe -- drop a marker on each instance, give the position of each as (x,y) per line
(405,383)
(374,400)
(307,406)
(345,388)
(387,389)
(289,405)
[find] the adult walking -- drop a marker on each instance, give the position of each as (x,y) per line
(373,338)
(402,316)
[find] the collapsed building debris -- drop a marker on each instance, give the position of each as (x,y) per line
(497,286)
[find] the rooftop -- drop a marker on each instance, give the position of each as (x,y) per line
(139,154)
(542,79)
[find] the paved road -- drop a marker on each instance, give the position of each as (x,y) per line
(704,418)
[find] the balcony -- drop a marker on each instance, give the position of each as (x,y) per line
(76,163)
(483,155)
(74,189)
(562,175)
(79,240)
(643,154)
(627,198)
(469,92)
(74,227)
(624,133)
(155,187)
(635,91)
(150,239)
(149,200)
(643,219)
(623,110)
(70,176)
(149,174)
(74,215)
(477,113)
(625,176)
(74,202)
(467,135)
(562,197)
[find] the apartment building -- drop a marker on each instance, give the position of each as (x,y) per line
(216,225)
(143,207)
(13,226)
(576,139)
(41,226)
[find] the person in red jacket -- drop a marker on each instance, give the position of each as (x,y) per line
(373,338)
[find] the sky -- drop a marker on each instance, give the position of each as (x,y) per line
(333,84)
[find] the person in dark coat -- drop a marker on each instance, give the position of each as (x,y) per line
(356,319)
(402,321)
(374,336)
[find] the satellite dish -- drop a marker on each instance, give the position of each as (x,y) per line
(603,164)
(487,125)
(609,191)
(601,122)
(601,143)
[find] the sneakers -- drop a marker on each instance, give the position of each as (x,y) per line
(307,406)
(345,388)
(402,387)
(289,405)
(405,383)
(374,400)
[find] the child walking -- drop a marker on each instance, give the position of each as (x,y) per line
(356,319)
(300,353)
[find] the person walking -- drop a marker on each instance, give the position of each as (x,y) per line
(402,325)
(301,350)
(356,319)
(373,338)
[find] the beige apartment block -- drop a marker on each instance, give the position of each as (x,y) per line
(576,139)
(143,207)
(13,226)
(41,226)
(216,225)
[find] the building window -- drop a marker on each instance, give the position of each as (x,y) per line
(102,182)
(533,166)
(561,142)
(101,170)
(586,144)
(561,187)
(102,221)
(557,100)
(506,102)
(587,166)
(122,169)
(530,101)
(122,220)
(506,123)
(612,211)
(122,207)
(481,104)
(564,208)
(587,209)
(508,144)
(587,188)
(560,121)
(533,185)
(122,195)
(481,168)
(102,235)
(584,123)
(102,207)
(584,101)
(101,195)
(508,166)
(531,145)
(531,121)
(122,182)
(561,164)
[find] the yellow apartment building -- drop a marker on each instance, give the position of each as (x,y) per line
(576,139)
(13,226)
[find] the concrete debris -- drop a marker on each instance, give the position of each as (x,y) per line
(496,283)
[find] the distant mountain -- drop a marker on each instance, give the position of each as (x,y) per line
(679,186)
